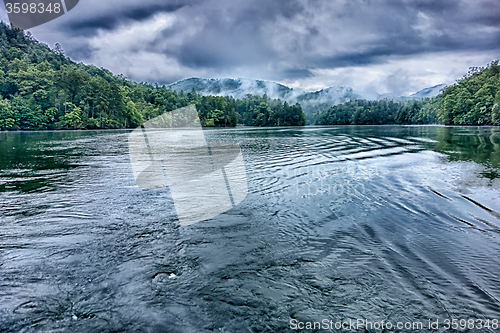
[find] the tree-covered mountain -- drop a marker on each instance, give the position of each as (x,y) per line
(430,92)
(311,102)
(472,100)
(40,88)
(236,88)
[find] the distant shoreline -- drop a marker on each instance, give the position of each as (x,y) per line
(253,127)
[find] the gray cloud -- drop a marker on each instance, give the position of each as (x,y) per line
(123,13)
(278,40)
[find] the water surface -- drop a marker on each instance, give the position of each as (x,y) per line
(394,223)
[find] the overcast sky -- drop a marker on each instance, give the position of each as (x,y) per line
(384,46)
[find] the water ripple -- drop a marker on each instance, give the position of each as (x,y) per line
(383,223)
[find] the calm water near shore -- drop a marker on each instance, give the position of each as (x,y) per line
(393,223)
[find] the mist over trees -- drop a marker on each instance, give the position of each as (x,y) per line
(472,100)
(41,89)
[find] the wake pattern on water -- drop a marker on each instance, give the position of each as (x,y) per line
(378,223)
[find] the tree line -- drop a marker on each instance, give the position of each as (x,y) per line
(363,112)
(472,100)
(41,88)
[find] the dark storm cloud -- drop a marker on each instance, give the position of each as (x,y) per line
(122,12)
(452,26)
(296,73)
(289,38)
(223,44)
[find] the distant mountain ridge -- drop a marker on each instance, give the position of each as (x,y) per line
(311,102)
(429,92)
(237,88)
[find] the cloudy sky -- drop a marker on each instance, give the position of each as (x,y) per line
(384,46)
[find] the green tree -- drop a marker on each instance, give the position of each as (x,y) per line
(133,116)
(495,111)
(471,101)
(7,117)
(72,119)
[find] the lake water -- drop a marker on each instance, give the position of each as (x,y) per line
(393,223)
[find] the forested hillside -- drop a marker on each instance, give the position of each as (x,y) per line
(362,112)
(40,88)
(473,100)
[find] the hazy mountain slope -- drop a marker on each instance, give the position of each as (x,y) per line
(311,102)
(429,92)
(237,88)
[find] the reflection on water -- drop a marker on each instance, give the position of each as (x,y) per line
(479,145)
(393,223)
